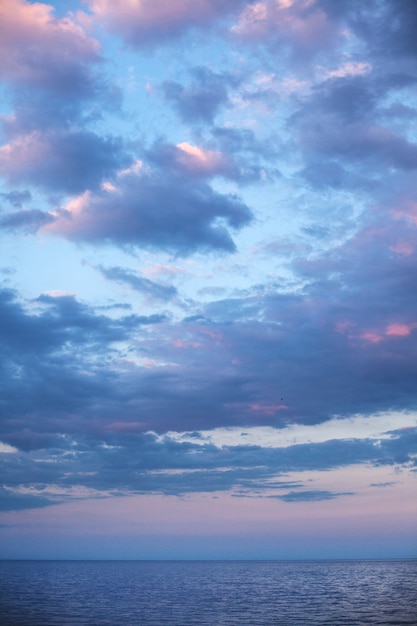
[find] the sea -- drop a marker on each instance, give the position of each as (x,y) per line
(208,593)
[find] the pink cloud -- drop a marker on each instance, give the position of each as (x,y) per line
(344,327)
(371,337)
(399,330)
(58,159)
(403,248)
(375,336)
(37,48)
(298,23)
(23,153)
(149,20)
(407,211)
(197,160)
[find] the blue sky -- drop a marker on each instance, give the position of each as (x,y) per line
(208,269)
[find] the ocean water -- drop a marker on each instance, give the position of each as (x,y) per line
(207,593)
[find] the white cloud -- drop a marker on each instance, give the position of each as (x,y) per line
(6,449)
(357,427)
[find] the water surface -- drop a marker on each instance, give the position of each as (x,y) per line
(208,593)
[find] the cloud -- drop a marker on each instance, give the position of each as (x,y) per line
(232,363)
(62,320)
(50,66)
(304,29)
(30,220)
(17,198)
(119,463)
(341,126)
(385,484)
(312,496)
(139,283)
(299,26)
(12,501)
(147,208)
(60,159)
(195,161)
(40,50)
(149,22)
(358,142)
(388,27)
(203,98)
(71,395)
(94,397)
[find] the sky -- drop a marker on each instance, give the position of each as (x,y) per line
(208,313)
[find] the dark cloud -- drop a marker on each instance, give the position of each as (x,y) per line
(388,27)
(139,463)
(139,283)
(83,389)
(239,361)
(386,484)
(359,142)
(56,365)
(304,31)
(12,501)
(351,98)
(62,160)
(156,210)
(342,126)
(312,496)
(17,198)
(29,221)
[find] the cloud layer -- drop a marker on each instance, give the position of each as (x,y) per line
(209,221)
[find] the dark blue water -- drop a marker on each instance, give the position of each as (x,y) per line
(207,593)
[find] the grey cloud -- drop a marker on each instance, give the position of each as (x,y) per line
(240,140)
(139,283)
(63,160)
(158,211)
(386,484)
(235,360)
(312,496)
(342,126)
(172,158)
(216,163)
(15,501)
(388,27)
(352,98)
(202,99)
(57,364)
(359,142)
(30,220)
(17,198)
(325,173)
(34,110)
(138,463)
